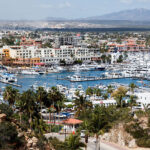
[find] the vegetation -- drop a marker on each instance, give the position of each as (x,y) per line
(119,94)
(9,137)
(71,143)
(120,59)
(25,110)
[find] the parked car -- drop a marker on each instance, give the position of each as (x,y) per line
(82,134)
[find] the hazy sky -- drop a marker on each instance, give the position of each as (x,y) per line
(41,9)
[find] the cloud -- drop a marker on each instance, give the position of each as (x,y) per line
(131,1)
(64,5)
(60,5)
(46,6)
(126,1)
(143,1)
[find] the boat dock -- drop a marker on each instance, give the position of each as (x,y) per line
(84,79)
(96,79)
(17,85)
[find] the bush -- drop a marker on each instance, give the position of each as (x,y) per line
(143,142)
(141,135)
(4,108)
(56,128)
(9,137)
(58,145)
(41,144)
(135,130)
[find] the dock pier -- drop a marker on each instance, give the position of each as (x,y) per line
(17,85)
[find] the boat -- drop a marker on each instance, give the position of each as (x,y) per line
(41,72)
(99,67)
(79,68)
(29,72)
(6,77)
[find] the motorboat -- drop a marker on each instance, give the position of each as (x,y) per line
(29,72)
(6,77)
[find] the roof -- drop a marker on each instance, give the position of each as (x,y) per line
(72,121)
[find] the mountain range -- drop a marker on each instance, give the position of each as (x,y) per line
(140,14)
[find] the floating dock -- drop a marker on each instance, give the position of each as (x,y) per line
(10,83)
(96,79)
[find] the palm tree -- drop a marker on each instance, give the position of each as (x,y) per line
(99,122)
(20,105)
(28,104)
(119,94)
(110,89)
(41,96)
(11,95)
(82,104)
(146,109)
(132,86)
(56,99)
(73,142)
(51,110)
(132,100)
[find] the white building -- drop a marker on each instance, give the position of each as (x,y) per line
(143,99)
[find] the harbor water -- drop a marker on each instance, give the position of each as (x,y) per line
(53,79)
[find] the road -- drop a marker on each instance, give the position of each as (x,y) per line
(91,143)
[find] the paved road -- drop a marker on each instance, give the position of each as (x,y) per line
(91,143)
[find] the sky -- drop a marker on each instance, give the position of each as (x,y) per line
(70,9)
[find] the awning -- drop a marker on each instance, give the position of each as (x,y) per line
(40,64)
(72,121)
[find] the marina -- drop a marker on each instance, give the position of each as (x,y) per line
(61,78)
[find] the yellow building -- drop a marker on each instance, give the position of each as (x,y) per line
(6,52)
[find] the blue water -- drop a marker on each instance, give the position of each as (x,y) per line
(52,80)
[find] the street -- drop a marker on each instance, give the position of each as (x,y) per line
(91,142)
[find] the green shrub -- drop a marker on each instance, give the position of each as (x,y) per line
(136,131)
(9,137)
(6,109)
(143,142)
(56,128)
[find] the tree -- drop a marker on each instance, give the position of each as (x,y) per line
(91,91)
(81,105)
(29,105)
(41,96)
(119,94)
(103,57)
(120,59)
(73,142)
(132,86)
(99,121)
(110,89)
(105,96)
(11,95)
(56,98)
(108,58)
(132,100)
(9,137)
(6,109)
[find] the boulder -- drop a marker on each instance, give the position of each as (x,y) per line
(21,134)
(35,140)
(2,117)
(34,144)
(30,141)
(29,144)
(132,144)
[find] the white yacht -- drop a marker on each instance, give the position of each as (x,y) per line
(29,72)
(6,77)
